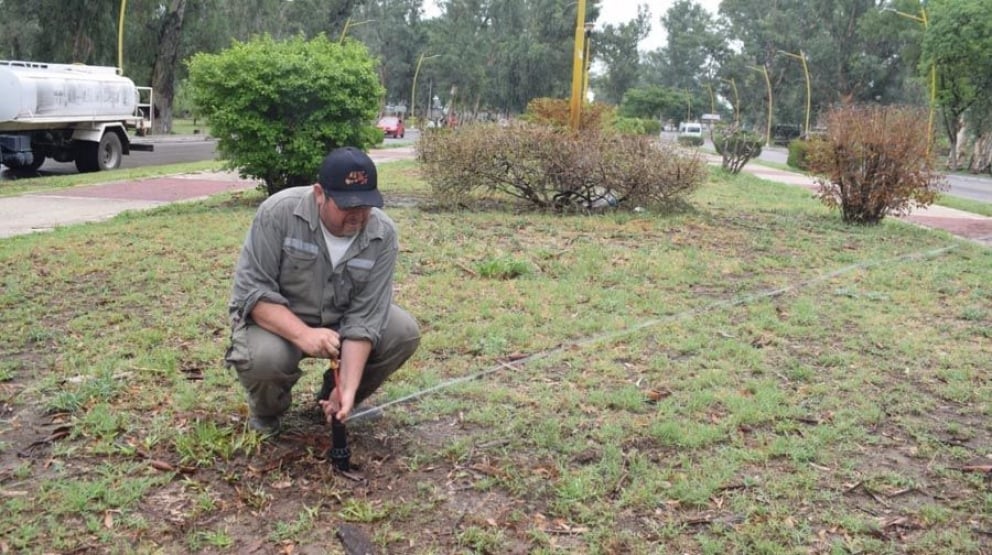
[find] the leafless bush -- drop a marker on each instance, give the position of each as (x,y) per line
(555,169)
(874,161)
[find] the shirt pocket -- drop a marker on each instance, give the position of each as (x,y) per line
(297,274)
(356,275)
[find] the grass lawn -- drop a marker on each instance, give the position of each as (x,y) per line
(746,376)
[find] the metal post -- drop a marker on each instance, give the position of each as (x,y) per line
(809,90)
(411,117)
(764,71)
(120,39)
(575,107)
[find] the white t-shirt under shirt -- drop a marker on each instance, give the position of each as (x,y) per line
(336,246)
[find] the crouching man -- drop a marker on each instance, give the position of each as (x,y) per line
(315,279)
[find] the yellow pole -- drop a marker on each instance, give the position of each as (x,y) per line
(809,90)
(933,85)
(348,25)
(768,82)
(411,118)
(120,38)
(344,30)
(923,20)
(809,93)
(575,107)
(588,62)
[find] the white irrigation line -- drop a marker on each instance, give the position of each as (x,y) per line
(738,301)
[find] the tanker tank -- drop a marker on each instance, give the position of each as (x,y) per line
(40,93)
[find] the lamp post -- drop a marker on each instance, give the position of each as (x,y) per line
(348,25)
(120,38)
(588,62)
(764,71)
(923,20)
(809,90)
(575,106)
(413,90)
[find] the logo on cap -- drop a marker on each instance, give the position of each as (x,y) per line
(360,178)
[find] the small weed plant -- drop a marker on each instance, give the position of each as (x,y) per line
(874,161)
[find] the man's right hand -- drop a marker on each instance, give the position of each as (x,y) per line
(320,343)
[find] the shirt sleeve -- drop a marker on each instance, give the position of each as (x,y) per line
(256,275)
(366,315)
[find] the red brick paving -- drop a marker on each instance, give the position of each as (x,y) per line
(160,189)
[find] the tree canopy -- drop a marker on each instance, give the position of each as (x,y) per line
(488,57)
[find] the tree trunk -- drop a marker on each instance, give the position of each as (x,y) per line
(981,155)
(164,68)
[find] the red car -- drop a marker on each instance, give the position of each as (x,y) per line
(392,127)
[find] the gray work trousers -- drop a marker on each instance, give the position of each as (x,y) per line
(268,366)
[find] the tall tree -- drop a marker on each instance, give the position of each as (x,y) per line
(958,43)
(394,32)
(852,52)
(694,46)
(164,67)
(616,46)
(18,29)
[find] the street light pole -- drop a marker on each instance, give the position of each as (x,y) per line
(588,62)
(809,91)
(120,39)
(348,25)
(922,19)
(764,71)
(575,107)
(413,90)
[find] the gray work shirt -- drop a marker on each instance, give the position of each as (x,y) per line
(284,260)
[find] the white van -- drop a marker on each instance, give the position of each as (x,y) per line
(690,134)
(691,129)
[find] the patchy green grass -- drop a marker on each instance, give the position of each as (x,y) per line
(746,376)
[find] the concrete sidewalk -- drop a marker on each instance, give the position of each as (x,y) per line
(47,210)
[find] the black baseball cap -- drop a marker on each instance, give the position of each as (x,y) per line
(349,177)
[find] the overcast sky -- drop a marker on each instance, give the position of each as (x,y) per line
(622,11)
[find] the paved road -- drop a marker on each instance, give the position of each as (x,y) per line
(168,150)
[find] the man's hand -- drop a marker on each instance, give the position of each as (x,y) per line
(320,343)
(336,407)
(314,342)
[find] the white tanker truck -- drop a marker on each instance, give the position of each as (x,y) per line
(69,112)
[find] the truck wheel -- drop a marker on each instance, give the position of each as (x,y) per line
(105,155)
